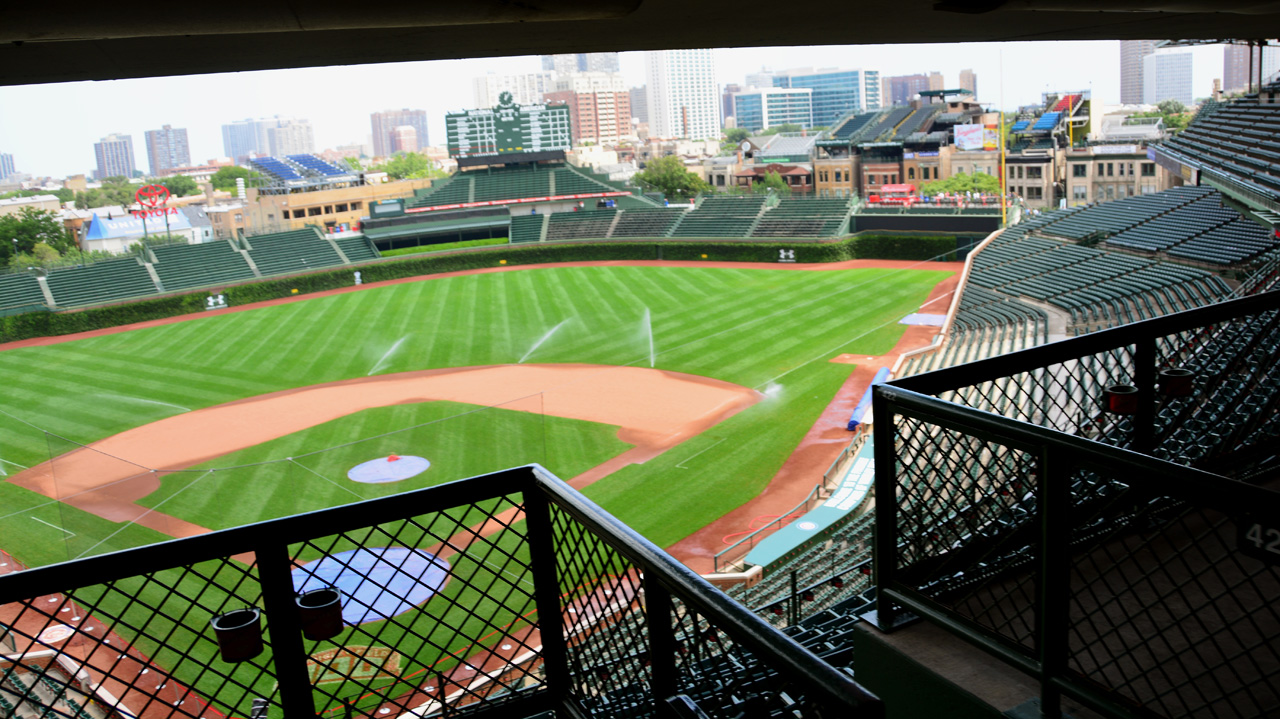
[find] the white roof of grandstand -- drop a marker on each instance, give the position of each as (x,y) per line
(789,145)
(33,199)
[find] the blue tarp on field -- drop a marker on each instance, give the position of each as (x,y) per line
(850,493)
(864,404)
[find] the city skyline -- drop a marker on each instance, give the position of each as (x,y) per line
(61,145)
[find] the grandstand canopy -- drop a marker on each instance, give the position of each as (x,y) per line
(93,41)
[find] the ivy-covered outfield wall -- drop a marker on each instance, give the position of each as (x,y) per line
(861,247)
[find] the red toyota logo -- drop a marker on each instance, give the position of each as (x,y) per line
(152,195)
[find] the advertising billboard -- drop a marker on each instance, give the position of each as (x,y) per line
(969,137)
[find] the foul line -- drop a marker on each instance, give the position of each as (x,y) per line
(686,459)
(60,529)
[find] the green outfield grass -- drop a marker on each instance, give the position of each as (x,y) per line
(753,327)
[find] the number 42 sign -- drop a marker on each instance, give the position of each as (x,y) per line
(1259,540)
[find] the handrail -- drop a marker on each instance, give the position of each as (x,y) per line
(667,584)
(745,627)
(1140,470)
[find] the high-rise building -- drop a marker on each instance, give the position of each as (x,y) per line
(1167,76)
(114,154)
(385,123)
(167,148)
(6,165)
(243,138)
(684,99)
(404,139)
(525,89)
(764,78)
(836,92)
(640,104)
(756,109)
(726,101)
(1236,68)
(1131,54)
(291,137)
(595,115)
(969,81)
(570,63)
(901,89)
(936,81)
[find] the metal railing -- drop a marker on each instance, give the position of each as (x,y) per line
(500,593)
(1132,583)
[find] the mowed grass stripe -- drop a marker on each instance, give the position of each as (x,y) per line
(759,322)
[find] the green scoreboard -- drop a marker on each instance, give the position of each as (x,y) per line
(508,129)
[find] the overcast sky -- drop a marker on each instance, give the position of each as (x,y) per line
(50,129)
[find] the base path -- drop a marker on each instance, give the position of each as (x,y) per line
(655,409)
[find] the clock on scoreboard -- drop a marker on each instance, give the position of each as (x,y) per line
(508,128)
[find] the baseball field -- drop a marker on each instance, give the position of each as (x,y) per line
(670,395)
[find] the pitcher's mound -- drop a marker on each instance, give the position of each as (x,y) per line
(392,468)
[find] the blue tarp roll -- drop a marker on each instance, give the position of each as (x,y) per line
(881,377)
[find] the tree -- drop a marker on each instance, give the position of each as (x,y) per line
(735,135)
(669,176)
(62,193)
(225,178)
(113,191)
(179,185)
(31,227)
(409,166)
(772,181)
(960,183)
(1171,107)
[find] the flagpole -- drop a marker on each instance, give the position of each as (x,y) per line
(1004,179)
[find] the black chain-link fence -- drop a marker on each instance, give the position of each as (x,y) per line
(1129,582)
(505,592)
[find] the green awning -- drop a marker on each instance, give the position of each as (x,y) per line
(427,228)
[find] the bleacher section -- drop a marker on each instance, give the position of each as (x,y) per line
(182,266)
(318,166)
(887,123)
(275,168)
(802,217)
(646,222)
(1186,223)
(915,121)
(526,228)
(579,225)
(100,282)
(853,125)
(455,190)
(357,248)
(721,216)
(511,184)
(1047,122)
(1099,289)
(1240,140)
(514,183)
(20,290)
(294,251)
